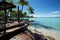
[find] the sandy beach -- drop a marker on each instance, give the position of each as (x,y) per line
(44,33)
(41,31)
(52,33)
(30,20)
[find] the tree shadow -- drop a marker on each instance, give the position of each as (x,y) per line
(38,37)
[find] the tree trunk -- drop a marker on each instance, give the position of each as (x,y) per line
(22,10)
(18,14)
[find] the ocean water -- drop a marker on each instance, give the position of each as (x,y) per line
(47,23)
(47,26)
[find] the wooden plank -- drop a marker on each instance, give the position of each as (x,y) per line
(11,34)
(13,25)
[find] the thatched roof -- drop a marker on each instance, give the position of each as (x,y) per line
(6,5)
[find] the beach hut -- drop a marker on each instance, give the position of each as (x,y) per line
(4,6)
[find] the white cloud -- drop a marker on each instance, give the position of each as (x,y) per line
(51,14)
(55,12)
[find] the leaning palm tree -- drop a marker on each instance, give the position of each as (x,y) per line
(23,2)
(30,10)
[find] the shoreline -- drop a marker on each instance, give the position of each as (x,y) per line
(32,34)
(47,33)
(52,33)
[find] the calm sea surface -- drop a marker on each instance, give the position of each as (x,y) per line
(47,23)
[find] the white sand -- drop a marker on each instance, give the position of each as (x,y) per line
(53,33)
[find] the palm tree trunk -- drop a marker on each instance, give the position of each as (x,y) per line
(18,14)
(22,10)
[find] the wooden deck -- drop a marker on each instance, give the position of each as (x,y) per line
(13,25)
(14,28)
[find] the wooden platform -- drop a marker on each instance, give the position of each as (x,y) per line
(14,32)
(13,29)
(13,25)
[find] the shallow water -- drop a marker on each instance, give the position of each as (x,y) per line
(47,23)
(47,26)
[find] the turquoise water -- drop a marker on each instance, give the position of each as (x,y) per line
(48,23)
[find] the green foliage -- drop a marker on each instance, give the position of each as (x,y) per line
(31,10)
(11,10)
(11,1)
(25,14)
(14,13)
(1,13)
(21,13)
(23,2)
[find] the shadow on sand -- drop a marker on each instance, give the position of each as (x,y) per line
(37,36)
(11,34)
(42,37)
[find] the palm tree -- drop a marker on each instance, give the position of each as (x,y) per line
(30,10)
(23,2)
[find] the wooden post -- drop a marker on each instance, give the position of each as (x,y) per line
(5,21)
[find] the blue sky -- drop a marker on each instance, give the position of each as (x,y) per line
(45,8)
